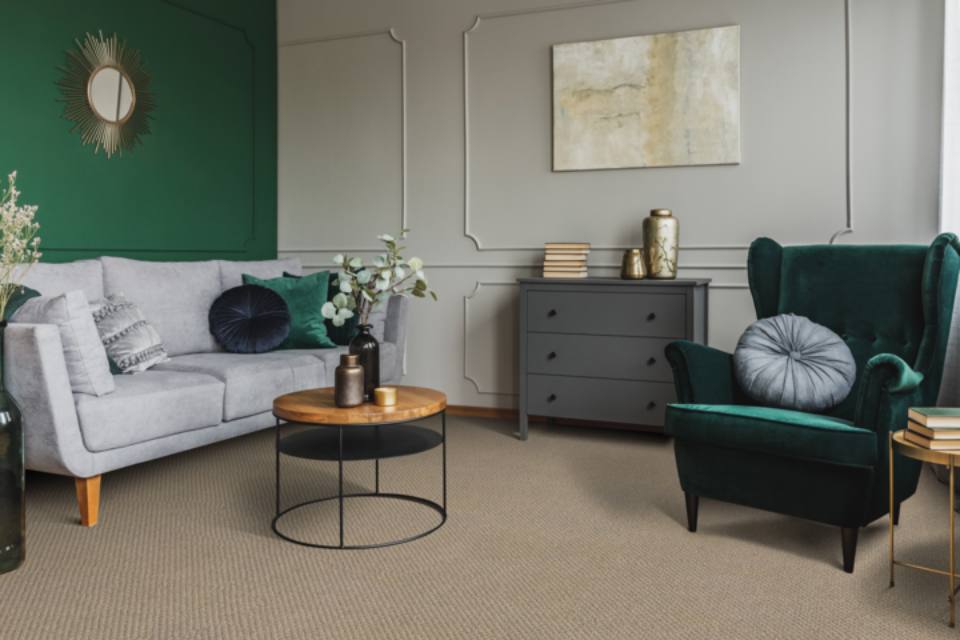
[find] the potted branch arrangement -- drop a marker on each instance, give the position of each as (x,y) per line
(363,287)
(19,250)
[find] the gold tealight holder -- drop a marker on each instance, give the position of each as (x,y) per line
(385,396)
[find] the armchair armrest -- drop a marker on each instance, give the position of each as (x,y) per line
(702,374)
(35,374)
(887,389)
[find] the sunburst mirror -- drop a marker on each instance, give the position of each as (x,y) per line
(106,92)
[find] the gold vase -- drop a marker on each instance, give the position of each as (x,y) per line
(661,240)
(633,267)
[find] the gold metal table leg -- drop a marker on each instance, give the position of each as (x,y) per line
(953,608)
(890,474)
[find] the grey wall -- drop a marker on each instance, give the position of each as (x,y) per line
(419,113)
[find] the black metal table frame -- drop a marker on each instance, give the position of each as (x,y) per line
(340,496)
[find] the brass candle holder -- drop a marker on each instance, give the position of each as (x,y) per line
(385,396)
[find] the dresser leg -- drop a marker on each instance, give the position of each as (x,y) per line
(523,426)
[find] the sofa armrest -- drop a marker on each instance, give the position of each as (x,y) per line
(888,387)
(702,374)
(395,331)
(35,374)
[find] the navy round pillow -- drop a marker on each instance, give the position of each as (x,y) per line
(249,319)
(792,362)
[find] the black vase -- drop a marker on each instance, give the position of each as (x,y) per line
(12,512)
(366,347)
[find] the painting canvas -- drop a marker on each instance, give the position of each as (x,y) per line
(668,99)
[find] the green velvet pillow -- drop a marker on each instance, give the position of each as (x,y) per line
(341,335)
(21,295)
(304,297)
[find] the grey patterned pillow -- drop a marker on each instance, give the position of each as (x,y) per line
(792,362)
(132,344)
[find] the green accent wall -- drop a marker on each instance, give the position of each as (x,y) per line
(203,183)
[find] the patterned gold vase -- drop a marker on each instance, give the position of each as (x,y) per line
(661,241)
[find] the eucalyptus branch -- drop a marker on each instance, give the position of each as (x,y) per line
(366,286)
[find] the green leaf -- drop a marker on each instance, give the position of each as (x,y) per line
(433,294)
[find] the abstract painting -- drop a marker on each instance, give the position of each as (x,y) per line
(668,99)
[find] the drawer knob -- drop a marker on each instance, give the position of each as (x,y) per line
(551,397)
(552,355)
(651,317)
(651,405)
(552,313)
(651,362)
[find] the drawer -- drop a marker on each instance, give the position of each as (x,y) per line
(660,315)
(595,399)
(598,356)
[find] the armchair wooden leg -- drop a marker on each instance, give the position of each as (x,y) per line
(693,504)
(88,499)
(848,536)
(896,513)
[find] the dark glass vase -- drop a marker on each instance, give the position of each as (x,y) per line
(367,349)
(12,511)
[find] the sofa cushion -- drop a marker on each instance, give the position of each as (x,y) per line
(252,380)
(249,319)
(132,343)
(175,297)
(149,405)
(331,360)
(231,272)
(52,279)
(779,432)
(305,298)
(83,352)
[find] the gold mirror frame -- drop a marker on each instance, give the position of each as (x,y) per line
(92,55)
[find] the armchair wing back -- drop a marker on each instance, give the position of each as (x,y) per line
(881,299)
(893,306)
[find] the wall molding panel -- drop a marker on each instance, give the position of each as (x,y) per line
(390,32)
(831,153)
(473,378)
(468,180)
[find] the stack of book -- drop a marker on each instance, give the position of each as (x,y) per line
(935,428)
(565,259)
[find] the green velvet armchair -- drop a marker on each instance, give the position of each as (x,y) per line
(892,305)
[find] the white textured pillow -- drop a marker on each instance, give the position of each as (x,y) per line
(131,342)
(86,358)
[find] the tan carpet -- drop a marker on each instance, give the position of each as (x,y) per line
(573,534)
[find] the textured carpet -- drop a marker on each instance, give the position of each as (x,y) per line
(573,534)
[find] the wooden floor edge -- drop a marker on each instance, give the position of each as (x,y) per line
(469,411)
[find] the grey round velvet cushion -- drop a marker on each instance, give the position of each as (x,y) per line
(792,362)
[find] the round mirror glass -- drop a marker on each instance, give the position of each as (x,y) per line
(111,94)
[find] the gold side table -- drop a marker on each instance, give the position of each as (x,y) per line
(950,459)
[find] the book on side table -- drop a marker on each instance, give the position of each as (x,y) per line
(936,428)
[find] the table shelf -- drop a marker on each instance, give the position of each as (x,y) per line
(359,442)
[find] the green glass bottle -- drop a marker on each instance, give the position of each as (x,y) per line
(12,507)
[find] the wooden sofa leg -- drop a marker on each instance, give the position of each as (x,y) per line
(88,499)
(848,536)
(693,504)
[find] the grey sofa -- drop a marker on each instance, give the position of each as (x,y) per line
(200,396)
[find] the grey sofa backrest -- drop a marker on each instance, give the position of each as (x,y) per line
(53,279)
(231,272)
(175,297)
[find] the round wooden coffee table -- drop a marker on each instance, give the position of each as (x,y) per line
(320,430)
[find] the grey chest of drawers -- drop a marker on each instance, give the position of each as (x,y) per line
(592,349)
